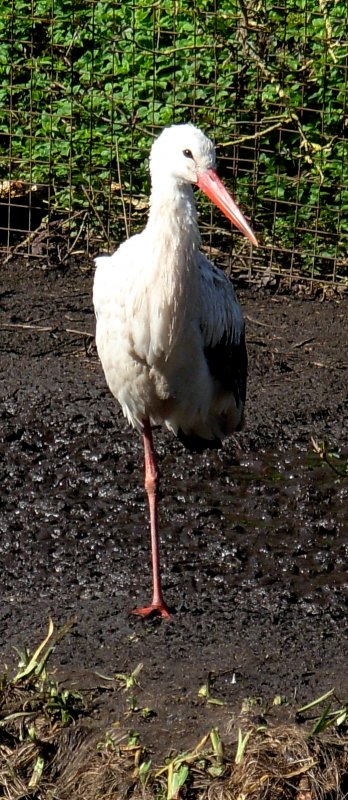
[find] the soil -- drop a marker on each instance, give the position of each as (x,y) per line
(254,537)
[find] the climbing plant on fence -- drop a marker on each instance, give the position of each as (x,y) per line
(85,86)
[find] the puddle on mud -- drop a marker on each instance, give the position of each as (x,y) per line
(78,510)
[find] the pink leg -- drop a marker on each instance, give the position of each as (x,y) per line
(151,485)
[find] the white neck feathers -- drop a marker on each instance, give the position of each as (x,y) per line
(172,242)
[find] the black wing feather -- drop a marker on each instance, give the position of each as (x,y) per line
(228,363)
(223,335)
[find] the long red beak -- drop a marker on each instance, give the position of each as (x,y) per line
(211,185)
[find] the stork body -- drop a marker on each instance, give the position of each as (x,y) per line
(170,331)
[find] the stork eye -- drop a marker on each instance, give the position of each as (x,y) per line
(187,153)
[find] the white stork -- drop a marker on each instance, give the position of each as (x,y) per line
(170,330)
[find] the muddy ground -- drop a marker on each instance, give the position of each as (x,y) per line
(254,537)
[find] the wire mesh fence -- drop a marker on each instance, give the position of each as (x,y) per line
(87,85)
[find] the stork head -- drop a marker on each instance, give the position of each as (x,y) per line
(184,154)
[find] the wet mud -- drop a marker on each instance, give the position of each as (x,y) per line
(254,537)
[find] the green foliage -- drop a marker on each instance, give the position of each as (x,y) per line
(42,693)
(86,85)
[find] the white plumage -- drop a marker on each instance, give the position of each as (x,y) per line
(170,331)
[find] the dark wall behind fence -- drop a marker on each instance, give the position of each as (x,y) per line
(85,86)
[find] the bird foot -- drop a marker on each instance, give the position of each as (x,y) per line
(152,610)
